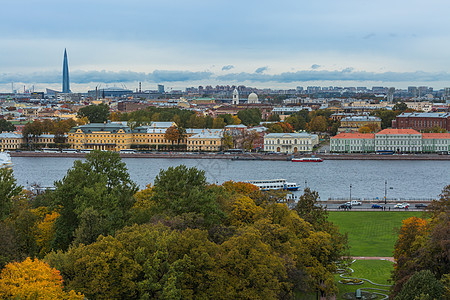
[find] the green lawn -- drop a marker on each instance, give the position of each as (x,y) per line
(370,233)
(378,271)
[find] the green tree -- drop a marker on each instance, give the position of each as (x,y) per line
(8,189)
(318,124)
(309,209)
(219,123)
(386,116)
(250,117)
(95,113)
(182,190)
(422,285)
(6,126)
(400,106)
(101,183)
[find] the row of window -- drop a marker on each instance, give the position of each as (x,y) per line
(300,142)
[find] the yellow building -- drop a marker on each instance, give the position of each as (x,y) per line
(10,141)
(206,140)
(101,136)
(354,123)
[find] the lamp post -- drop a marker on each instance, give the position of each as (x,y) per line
(350,192)
(385,191)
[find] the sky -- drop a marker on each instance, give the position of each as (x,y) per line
(258,43)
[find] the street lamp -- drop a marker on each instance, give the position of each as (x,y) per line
(350,192)
(385,191)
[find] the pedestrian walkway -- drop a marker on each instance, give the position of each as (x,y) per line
(373,258)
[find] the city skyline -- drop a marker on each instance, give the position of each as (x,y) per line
(350,43)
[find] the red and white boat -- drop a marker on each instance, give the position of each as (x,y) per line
(308,159)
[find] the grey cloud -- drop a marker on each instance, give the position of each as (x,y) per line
(228,67)
(82,77)
(344,75)
(261,70)
(315,66)
(370,35)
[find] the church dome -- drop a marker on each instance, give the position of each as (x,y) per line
(252,98)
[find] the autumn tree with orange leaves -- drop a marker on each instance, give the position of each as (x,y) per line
(33,279)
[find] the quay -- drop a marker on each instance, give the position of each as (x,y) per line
(245,156)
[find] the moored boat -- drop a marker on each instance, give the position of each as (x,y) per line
(308,159)
(5,160)
(274,184)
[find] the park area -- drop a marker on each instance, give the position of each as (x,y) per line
(370,234)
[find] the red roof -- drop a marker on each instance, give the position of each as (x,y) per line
(398,131)
(354,135)
(436,135)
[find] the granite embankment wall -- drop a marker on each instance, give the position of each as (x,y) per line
(246,156)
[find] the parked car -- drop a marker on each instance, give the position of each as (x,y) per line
(421,205)
(376,206)
(401,205)
(345,206)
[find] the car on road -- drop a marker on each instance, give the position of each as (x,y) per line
(353,202)
(401,205)
(421,205)
(376,206)
(345,206)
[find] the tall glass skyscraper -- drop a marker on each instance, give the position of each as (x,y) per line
(65,83)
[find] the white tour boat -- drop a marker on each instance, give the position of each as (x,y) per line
(274,184)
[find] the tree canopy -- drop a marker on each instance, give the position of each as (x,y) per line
(95,113)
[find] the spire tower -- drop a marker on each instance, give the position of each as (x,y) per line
(65,83)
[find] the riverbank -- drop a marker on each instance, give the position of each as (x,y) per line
(245,156)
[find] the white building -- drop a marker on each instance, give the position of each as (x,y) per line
(252,99)
(290,142)
(235,97)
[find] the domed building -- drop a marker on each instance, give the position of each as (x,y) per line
(252,99)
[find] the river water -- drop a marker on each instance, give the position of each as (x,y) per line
(331,178)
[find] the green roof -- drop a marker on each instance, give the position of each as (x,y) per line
(109,127)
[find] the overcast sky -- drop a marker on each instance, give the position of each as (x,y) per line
(199,42)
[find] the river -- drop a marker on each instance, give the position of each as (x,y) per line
(331,178)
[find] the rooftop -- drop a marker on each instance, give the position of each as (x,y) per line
(356,135)
(398,131)
(425,115)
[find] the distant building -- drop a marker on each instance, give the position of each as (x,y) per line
(396,140)
(235,97)
(207,140)
(65,83)
(160,88)
(252,99)
(421,121)
(10,141)
(290,142)
(354,123)
(109,92)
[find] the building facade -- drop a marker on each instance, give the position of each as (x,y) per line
(395,140)
(421,121)
(354,123)
(207,140)
(290,142)
(10,141)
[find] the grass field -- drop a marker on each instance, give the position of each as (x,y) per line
(378,271)
(371,233)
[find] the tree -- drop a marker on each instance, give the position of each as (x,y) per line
(95,113)
(172,134)
(386,117)
(250,117)
(421,284)
(101,183)
(318,124)
(435,129)
(183,190)
(6,126)
(33,279)
(310,210)
(8,189)
(219,123)
(400,106)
